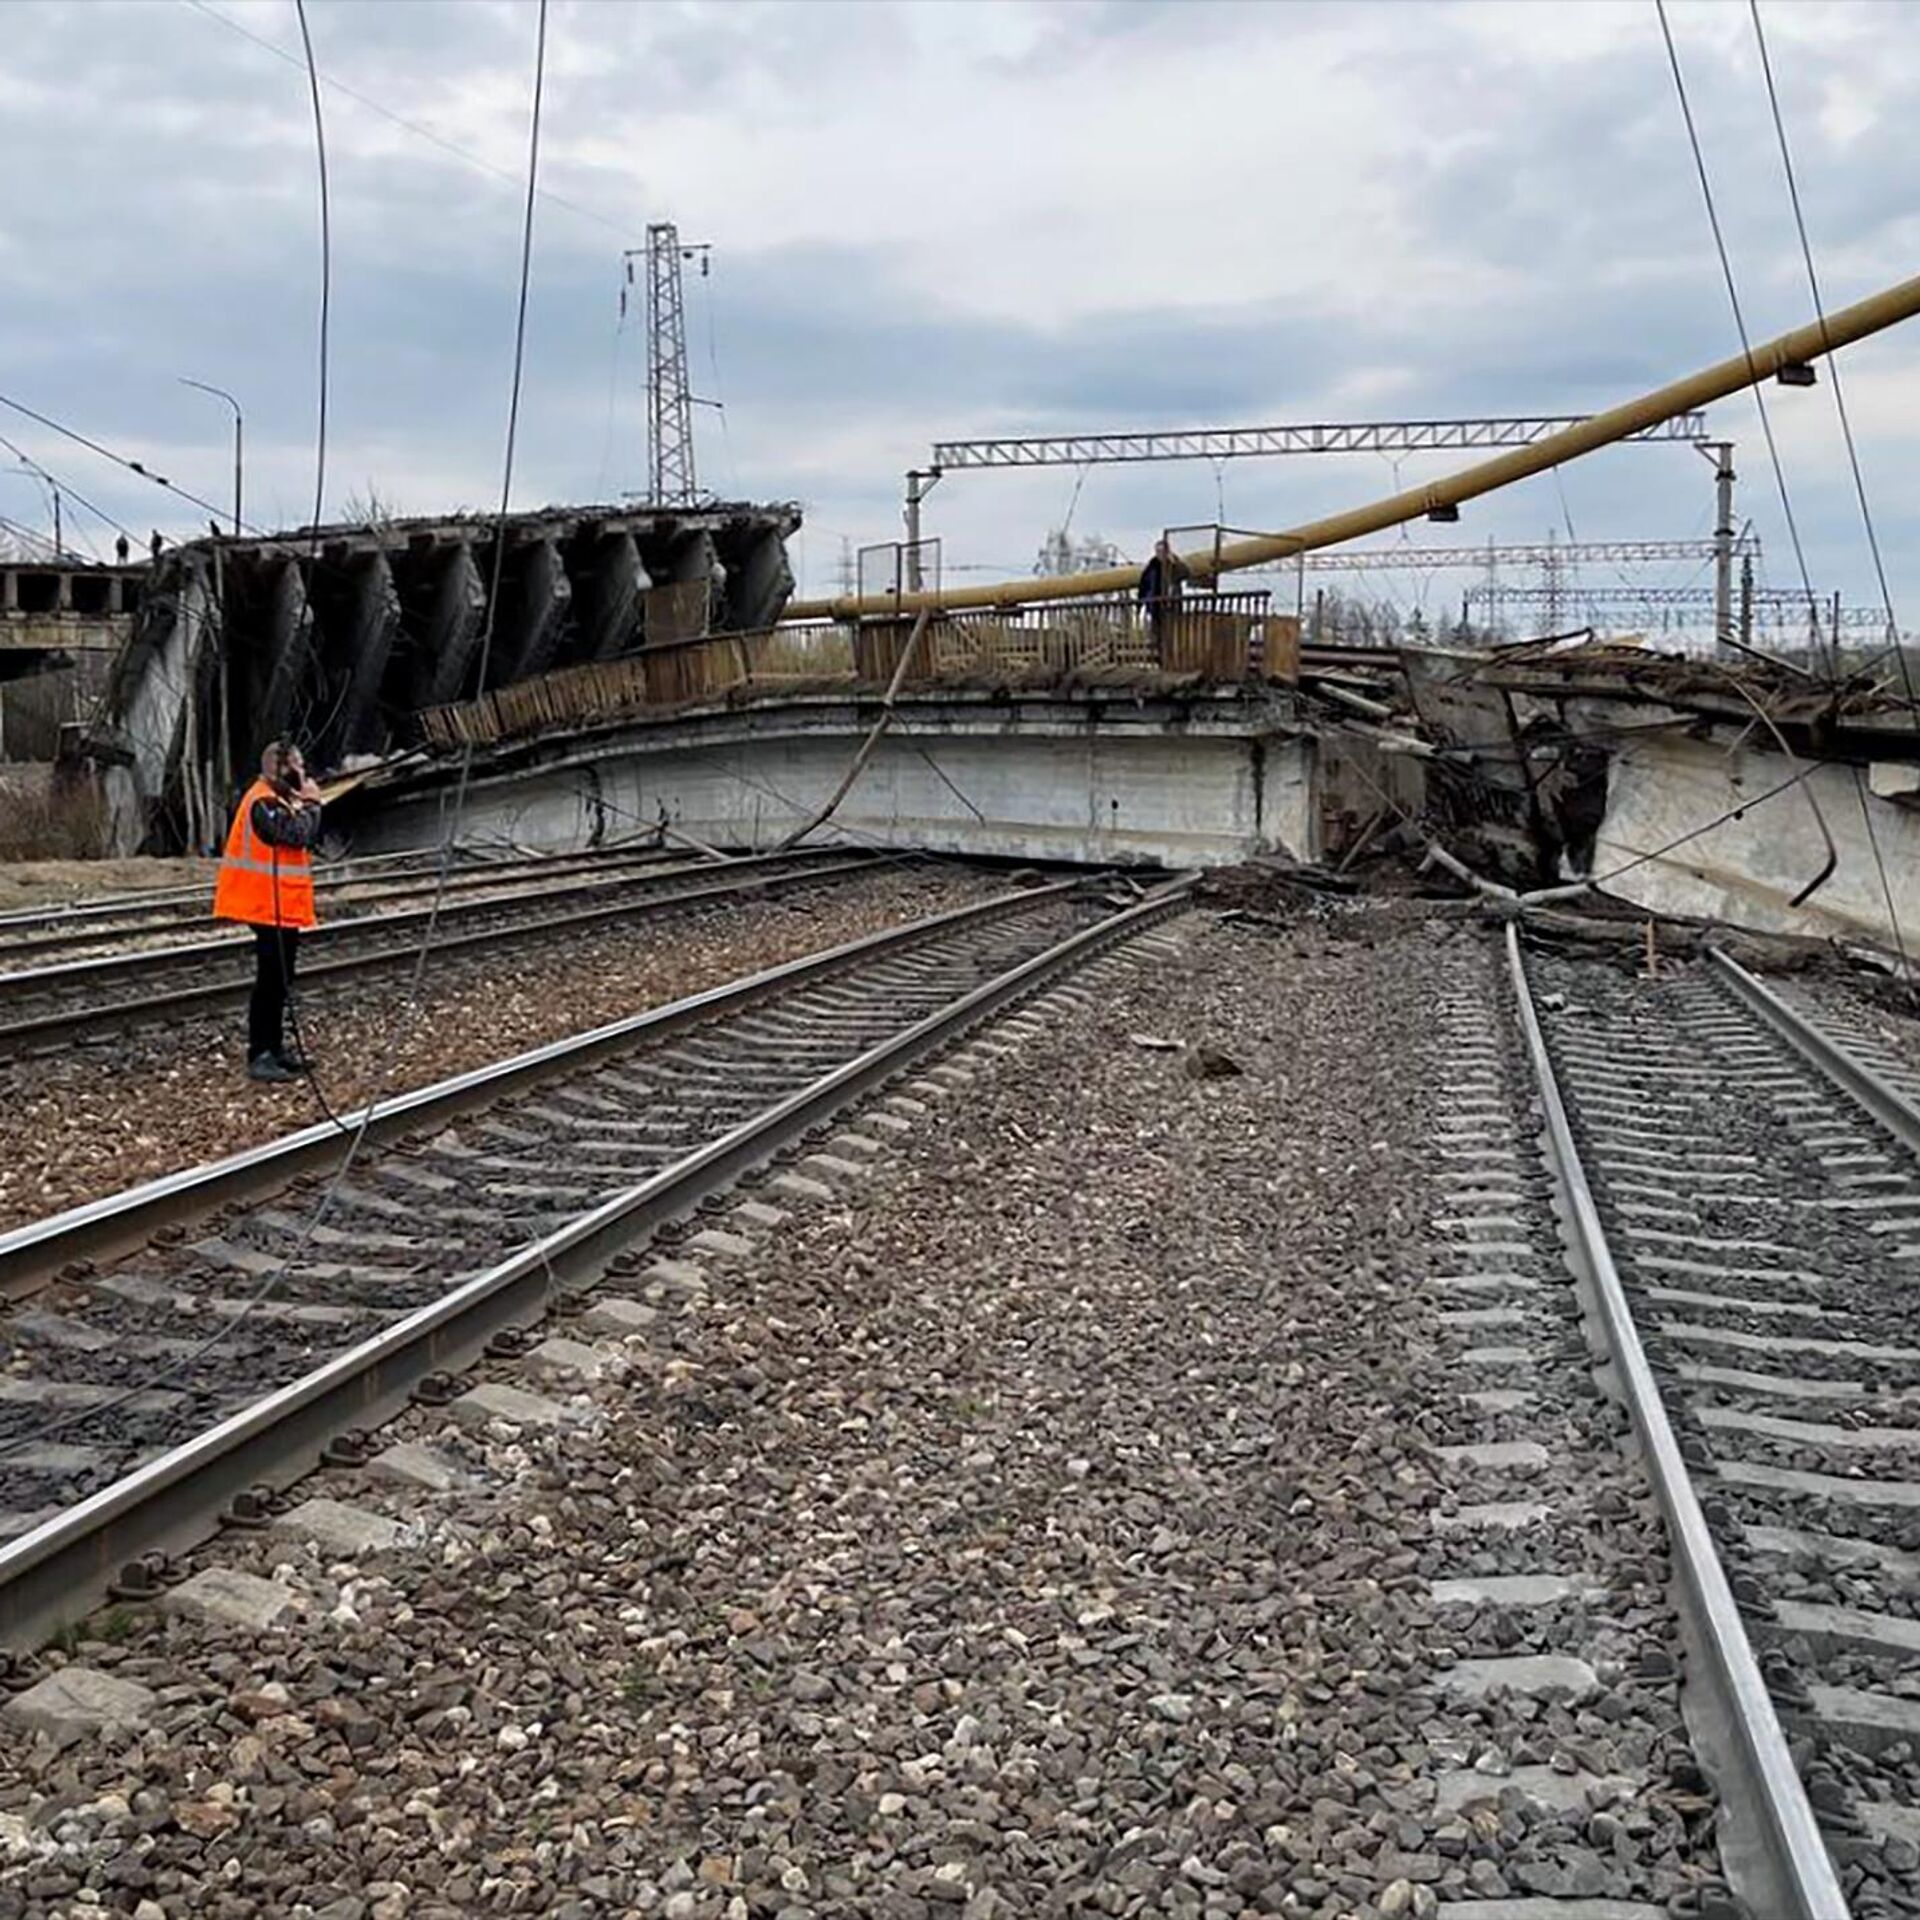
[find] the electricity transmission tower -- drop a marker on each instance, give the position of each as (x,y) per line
(671,478)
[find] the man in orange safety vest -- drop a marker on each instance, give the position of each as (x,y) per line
(266,882)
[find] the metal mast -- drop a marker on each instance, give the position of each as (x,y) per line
(669,395)
(1721,454)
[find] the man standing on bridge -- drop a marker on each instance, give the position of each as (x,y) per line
(266,882)
(1161,582)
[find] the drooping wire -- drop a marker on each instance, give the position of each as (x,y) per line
(270,1283)
(613,388)
(719,392)
(291,999)
(1859,478)
(413,127)
(1740,324)
(326,274)
(1833,364)
(119,460)
(34,466)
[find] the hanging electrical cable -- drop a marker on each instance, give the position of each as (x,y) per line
(414,127)
(54,479)
(1740,326)
(1833,363)
(119,460)
(1859,485)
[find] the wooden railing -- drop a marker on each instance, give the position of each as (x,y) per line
(1213,637)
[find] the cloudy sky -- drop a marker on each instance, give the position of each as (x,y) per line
(937,220)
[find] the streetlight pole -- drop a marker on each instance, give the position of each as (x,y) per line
(239,428)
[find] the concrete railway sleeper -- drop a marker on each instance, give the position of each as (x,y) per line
(52,1006)
(1743,1208)
(131,1412)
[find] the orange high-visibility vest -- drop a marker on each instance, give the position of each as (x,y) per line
(262,885)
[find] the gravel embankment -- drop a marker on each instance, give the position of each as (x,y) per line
(92,1120)
(1038,1531)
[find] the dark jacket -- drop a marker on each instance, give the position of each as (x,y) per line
(1152,587)
(280,825)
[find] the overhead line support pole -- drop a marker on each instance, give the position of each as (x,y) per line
(921,481)
(1721,453)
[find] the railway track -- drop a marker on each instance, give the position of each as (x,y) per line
(346,889)
(178,1345)
(50,1006)
(1737,1187)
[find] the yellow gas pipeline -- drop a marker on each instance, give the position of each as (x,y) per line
(1802,345)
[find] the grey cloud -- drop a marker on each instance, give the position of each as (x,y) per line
(177,237)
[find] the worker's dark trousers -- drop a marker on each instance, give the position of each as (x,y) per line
(275,950)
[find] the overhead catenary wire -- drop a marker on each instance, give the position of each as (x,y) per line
(79,498)
(413,127)
(22,532)
(1859,478)
(119,460)
(1833,365)
(326,275)
(1740,325)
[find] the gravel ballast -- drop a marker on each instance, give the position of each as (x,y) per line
(89,1121)
(1037,1520)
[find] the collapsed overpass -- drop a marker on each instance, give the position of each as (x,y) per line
(340,636)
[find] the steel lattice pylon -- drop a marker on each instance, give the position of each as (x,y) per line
(669,396)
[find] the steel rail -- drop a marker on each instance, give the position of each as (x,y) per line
(102,921)
(57,1572)
(468,858)
(49,979)
(42,1027)
(1800,1882)
(58,912)
(1860,1083)
(32,1255)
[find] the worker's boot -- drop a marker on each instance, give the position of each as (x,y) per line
(263,1066)
(293,1059)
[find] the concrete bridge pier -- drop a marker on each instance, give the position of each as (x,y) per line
(289,653)
(154,682)
(760,583)
(534,614)
(610,594)
(444,668)
(369,638)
